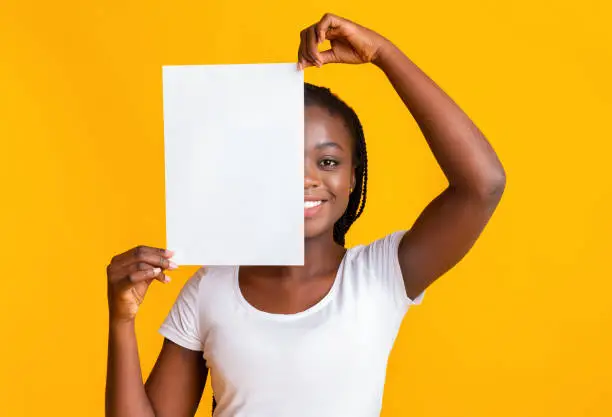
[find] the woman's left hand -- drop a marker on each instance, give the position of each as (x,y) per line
(350,43)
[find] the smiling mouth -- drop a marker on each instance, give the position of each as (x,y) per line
(311,204)
(311,208)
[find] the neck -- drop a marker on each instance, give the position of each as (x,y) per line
(321,255)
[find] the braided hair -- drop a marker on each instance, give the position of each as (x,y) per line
(321,96)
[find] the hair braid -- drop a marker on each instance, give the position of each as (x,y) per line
(324,97)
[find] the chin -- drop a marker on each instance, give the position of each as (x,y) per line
(316,228)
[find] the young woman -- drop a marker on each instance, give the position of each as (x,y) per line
(310,340)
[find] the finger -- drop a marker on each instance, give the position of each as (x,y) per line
(140,276)
(300,60)
(121,258)
(303,63)
(163,278)
(305,59)
(333,33)
(312,46)
(141,266)
(327,23)
(142,263)
(329,57)
(154,256)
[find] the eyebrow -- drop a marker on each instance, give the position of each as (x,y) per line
(328,145)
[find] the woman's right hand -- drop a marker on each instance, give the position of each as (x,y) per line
(129,276)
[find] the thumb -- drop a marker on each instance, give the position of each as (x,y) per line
(328,57)
(334,32)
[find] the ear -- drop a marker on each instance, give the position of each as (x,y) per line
(353,180)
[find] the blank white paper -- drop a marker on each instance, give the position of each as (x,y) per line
(234,161)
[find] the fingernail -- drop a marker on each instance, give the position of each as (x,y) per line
(173,265)
(169,253)
(167,278)
(156,271)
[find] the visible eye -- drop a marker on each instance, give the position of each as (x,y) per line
(328,163)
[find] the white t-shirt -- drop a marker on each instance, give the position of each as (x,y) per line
(327,361)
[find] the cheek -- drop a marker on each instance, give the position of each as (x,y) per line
(339,182)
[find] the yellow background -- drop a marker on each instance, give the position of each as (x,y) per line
(521,327)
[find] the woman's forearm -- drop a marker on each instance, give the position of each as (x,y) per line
(125,392)
(465,156)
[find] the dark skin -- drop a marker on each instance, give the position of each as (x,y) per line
(441,236)
(177,380)
(329,175)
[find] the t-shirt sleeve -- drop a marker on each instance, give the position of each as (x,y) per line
(381,257)
(182,323)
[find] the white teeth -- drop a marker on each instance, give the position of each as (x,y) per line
(311,204)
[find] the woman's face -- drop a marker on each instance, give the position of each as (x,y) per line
(328,169)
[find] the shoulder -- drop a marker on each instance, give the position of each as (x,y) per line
(209,277)
(376,268)
(202,281)
(380,252)
(213,288)
(201,295)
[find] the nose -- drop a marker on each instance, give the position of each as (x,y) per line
(311,176)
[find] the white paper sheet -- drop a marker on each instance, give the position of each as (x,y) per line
(234,160)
